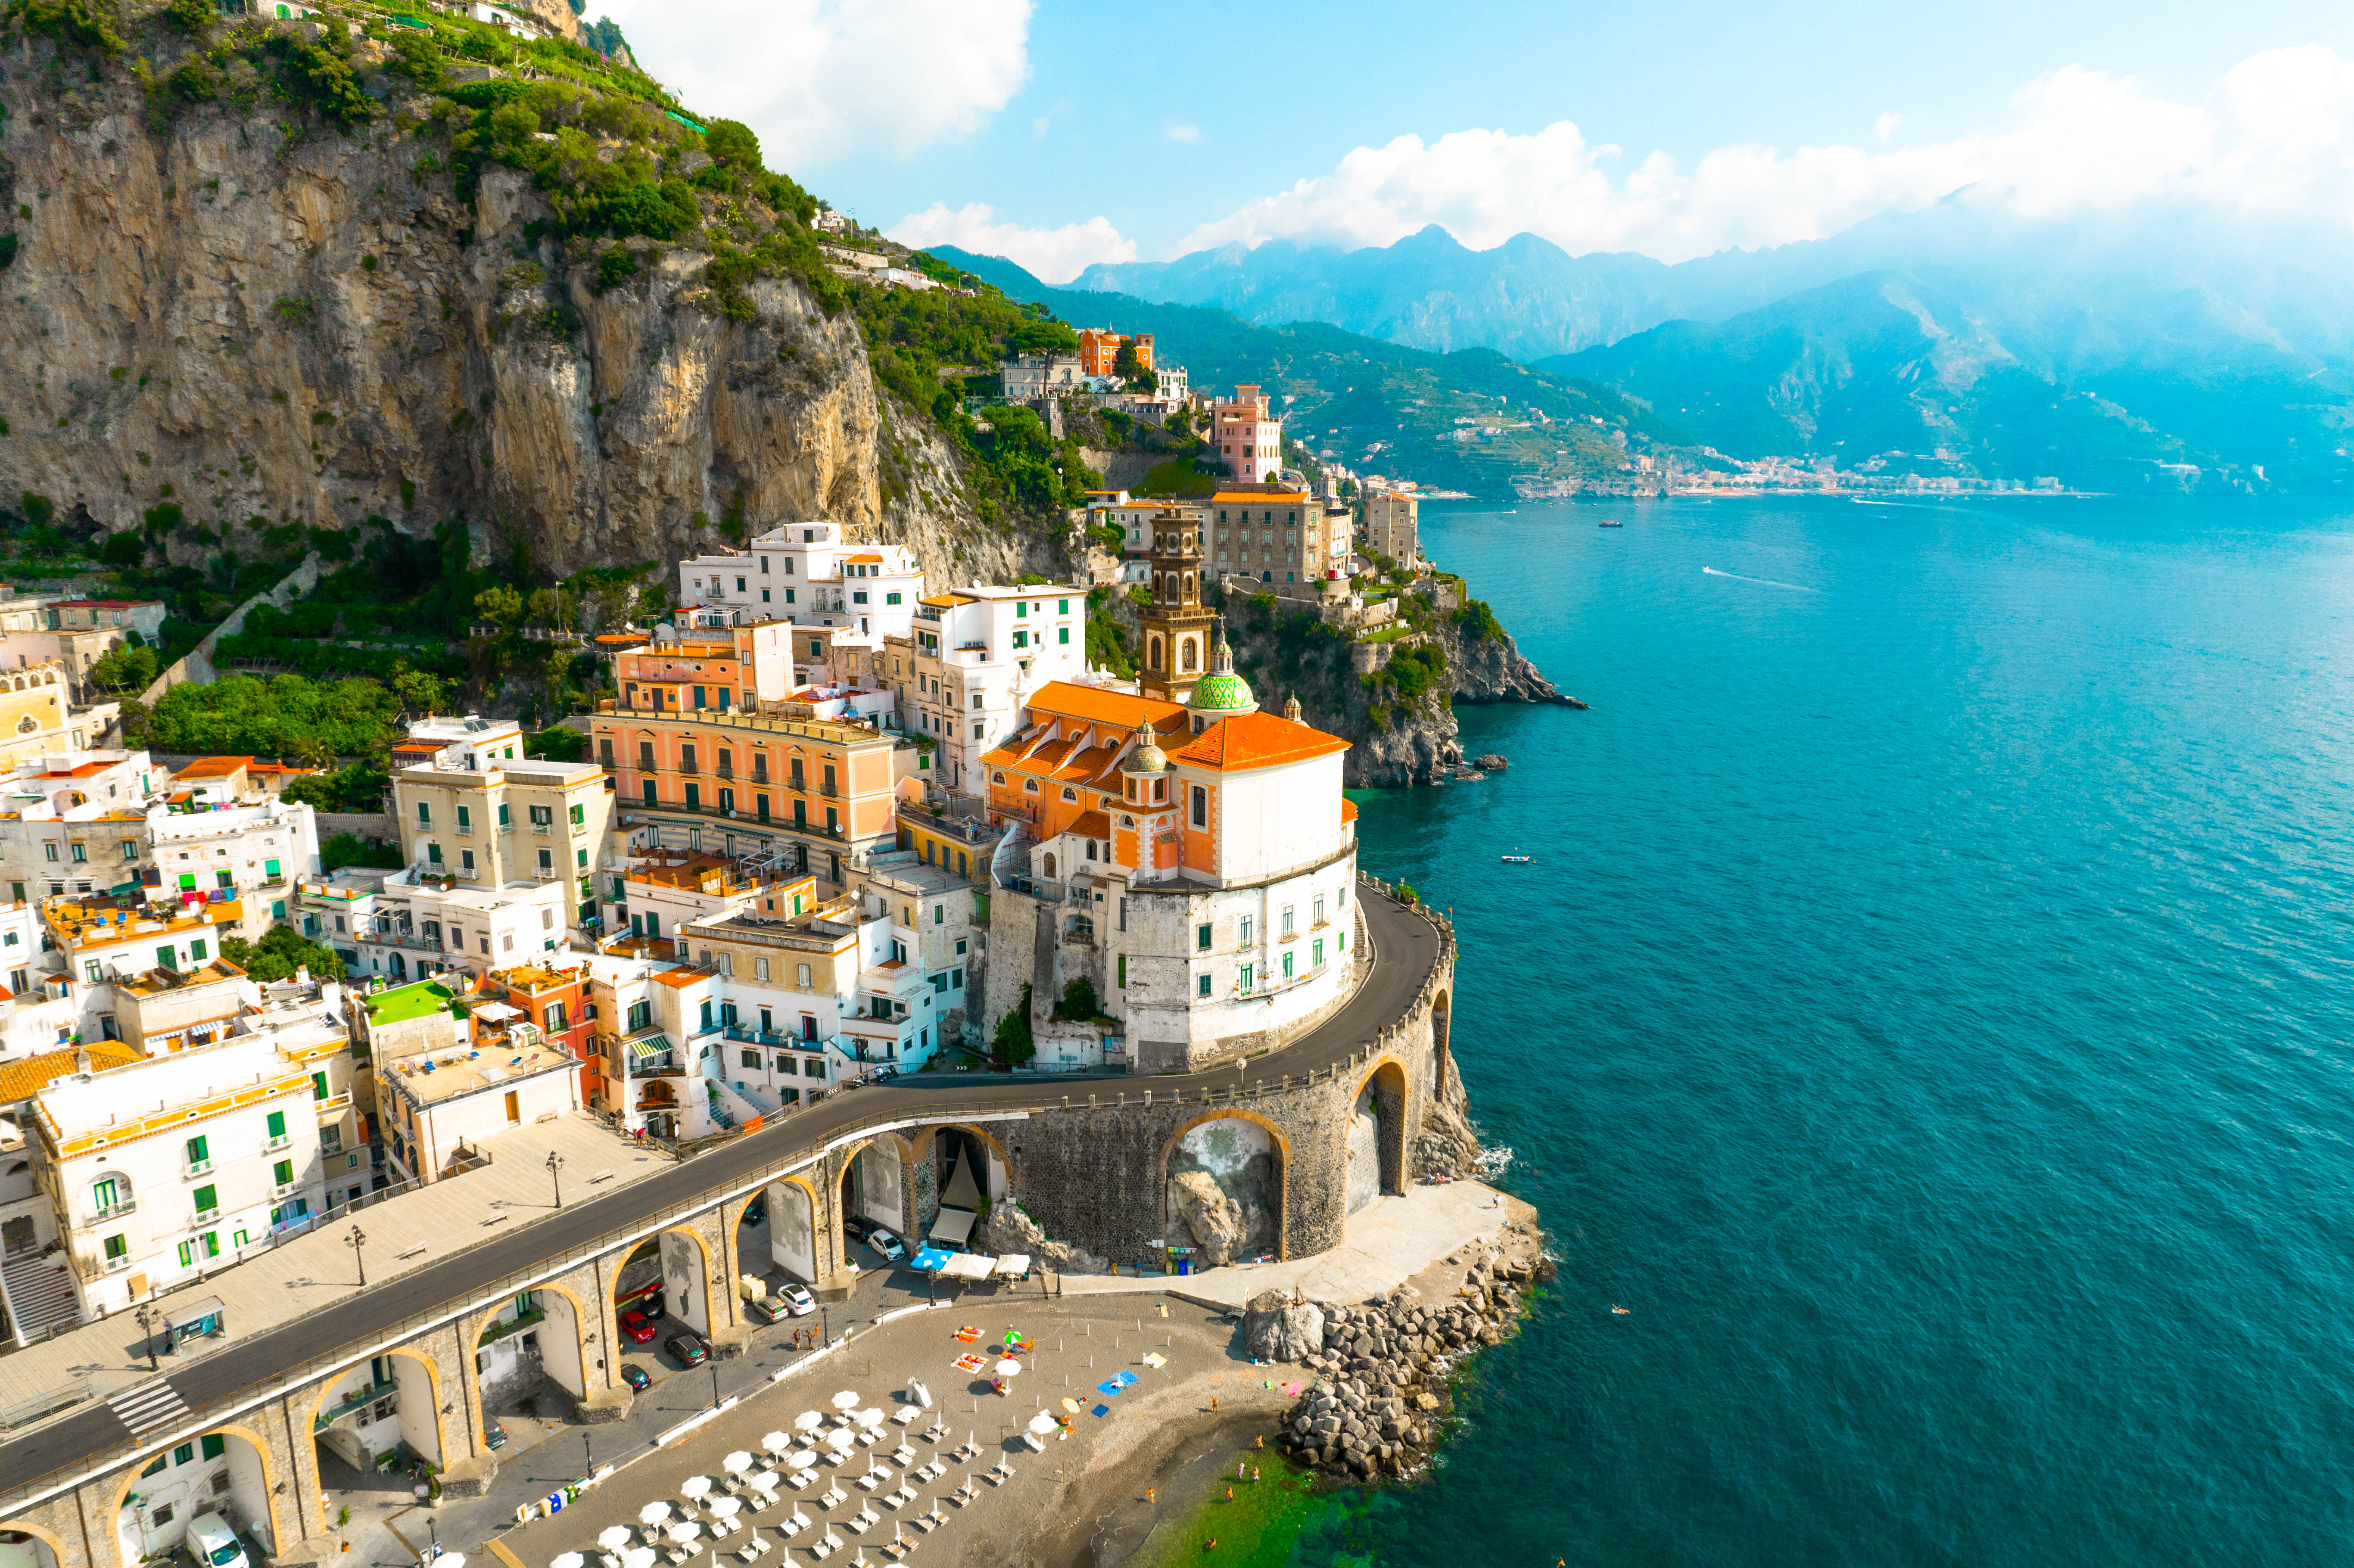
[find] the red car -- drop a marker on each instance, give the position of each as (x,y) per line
(637,1328)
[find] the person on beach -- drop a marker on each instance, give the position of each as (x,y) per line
(1254,1475)
(1150,1493)
(1213,1402)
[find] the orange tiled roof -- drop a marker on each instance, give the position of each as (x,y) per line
(1091,825)
(1095,705)
(678,978)
(213,767)
(1256,740)
(1259,498)
(1347,809)
(27,1076)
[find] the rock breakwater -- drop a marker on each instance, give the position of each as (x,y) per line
(1379,1407)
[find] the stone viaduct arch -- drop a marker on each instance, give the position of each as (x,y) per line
(1202,1147)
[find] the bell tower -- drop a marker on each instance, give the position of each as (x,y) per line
(1176,627)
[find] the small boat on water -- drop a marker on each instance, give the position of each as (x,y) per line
(1516,860)
(1610,523)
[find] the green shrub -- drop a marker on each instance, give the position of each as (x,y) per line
(1013,1042)
(70,22)
(350,849)
(615,266)
(1079,1001)
(278,954)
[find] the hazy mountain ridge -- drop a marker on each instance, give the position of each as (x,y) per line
(2227,345)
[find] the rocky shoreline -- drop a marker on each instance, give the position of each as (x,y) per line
(1380,1405)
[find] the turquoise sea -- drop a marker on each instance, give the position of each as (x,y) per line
(1926,1012)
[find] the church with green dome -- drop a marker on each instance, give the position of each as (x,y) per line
(1221,694)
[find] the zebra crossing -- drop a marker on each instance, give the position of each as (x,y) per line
(148,1406)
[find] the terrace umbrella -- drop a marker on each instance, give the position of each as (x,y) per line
(840,1439)
(567,1560)
(800,1459)
(1043,1424)
(765,1481)
(694,1486)
(654,1513)
(638,1557)
(807,1421)
(684,1531)
(870,1419)
(845,1400)
(612,1538)
(776,1442)
(725,1508)
(736,1464)
(1008,1367)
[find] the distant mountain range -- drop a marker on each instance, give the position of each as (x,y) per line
(1475,420)
(2117,352)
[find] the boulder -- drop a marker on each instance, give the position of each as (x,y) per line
(1215,1220)
(1008,1229)
(1491,762)
(1278,1329)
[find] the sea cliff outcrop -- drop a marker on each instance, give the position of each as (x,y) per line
(253,316)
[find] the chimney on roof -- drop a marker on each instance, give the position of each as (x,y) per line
(81,1058)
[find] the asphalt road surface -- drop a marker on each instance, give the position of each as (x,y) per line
(1404,948)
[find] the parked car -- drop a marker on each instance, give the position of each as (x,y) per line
(215,1544)
(795,1300)
(858,1229)
(686,1348)
(634,1324)
(766,1312)
(888,1244)
(494,1435)
(651,1306)
(638,1377)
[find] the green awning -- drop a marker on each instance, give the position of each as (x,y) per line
(651,1045)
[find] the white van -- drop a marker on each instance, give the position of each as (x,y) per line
(214,1543)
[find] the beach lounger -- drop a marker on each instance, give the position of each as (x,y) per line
(1031,1441)
(998,1475)
(864,1519)
(871,1479)
(902,1497)
(793,1526)
(903,1455)
(834,1498)
(800,1480)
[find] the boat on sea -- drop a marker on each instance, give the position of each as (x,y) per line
(1610,523)
(1516,859)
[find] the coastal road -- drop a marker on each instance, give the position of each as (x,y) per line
(1404,946)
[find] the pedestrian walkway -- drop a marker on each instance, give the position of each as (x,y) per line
(1384,1245)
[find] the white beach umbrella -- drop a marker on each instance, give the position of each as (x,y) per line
(765,1481)
(654,1513)
(725,1508)
(638,1557)
(694,1486)
(842,1438)
(870,1419)
(567,1560)
(800,1459)
(684,1531)
(736,1464)
(451,1560)
(1008,1367)
(845,1400)
(807,1421)
(777,1442)
(1041,1424)
(614,1537)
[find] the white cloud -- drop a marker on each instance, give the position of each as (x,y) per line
(1055,255)
(1184,132)
(821,79)
(1887,125)
(2277,134)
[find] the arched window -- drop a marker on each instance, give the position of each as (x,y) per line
(1091,848)
(1050,866)
(1030,785)
(1069,793)
(1186,649)
(997,778)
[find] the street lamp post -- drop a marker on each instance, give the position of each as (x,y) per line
(147,1333)
(356,1240)
(555,1168)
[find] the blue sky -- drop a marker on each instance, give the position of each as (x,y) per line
(1080,133)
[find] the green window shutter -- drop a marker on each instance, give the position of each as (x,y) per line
(277,1124)
(188,1254)
(282,1173)
(206,1198)
(167,957)
(196,952)
(318,1085)
(277,909)
(187,882)
(270,867)
(214,1444)
(200,1150)
(505,818)
(186,1454)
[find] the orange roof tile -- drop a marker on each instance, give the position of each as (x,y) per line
(1347,809)
(1259,498)
(27,1076)
(213,767)
(1091,825)
(1256,740)
(1095,705)
(679,978)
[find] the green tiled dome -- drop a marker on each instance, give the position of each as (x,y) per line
(1222,693)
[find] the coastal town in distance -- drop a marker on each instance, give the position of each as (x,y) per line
(890,1083)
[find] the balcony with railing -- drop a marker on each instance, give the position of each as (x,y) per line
(114,1211)
(359,1399)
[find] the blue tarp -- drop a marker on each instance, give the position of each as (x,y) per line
(931,1260)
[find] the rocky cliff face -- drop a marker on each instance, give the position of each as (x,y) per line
(1394,740)
(256,317)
